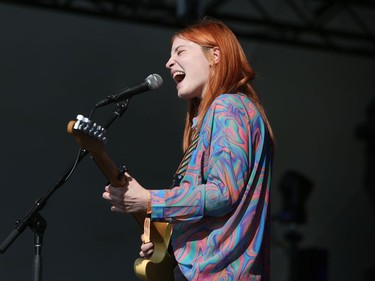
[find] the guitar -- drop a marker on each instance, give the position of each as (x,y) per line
(92,138)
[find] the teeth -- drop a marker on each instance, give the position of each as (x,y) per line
(178,73)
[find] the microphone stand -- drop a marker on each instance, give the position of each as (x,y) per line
(35,220)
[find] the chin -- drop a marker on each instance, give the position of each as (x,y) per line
(188,96)
(184,96)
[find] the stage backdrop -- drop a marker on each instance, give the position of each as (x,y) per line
(54,66)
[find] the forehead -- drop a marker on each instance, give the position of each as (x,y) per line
(179,42)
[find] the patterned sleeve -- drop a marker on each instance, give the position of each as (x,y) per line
(218,171)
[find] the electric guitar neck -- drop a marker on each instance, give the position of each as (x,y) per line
(92,137)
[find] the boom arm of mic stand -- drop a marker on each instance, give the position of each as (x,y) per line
(33,213)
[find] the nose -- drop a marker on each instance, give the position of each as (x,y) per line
(169,63)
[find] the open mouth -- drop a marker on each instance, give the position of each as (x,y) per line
(178,76)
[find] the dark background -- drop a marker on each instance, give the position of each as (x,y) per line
(56,65)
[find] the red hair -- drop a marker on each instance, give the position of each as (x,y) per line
(232,74)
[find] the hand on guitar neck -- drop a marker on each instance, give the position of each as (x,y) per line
(130,198)
(127,196)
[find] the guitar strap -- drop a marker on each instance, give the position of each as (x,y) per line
(181,170)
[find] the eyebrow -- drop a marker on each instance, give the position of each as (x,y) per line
(179,46)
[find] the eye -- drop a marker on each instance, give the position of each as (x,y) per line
(179,52)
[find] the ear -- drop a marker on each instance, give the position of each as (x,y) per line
(216,55)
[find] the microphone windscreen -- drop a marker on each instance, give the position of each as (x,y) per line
(154,81)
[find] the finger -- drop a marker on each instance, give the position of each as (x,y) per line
(106,195)
(147,254)
(147,247)
(111,188)
(117,209)
(128,176)
(113,198)
(117,190)
(143,255)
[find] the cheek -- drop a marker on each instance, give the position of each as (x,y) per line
(203,74)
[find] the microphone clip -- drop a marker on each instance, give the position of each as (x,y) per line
(107,100)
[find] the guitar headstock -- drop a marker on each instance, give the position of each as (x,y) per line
(89,135)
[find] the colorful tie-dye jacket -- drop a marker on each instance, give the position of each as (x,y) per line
(220,211)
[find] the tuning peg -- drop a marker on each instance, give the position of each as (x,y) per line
(92,131)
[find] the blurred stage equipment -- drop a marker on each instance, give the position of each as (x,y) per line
(295,189)
(366,132)
(308,264)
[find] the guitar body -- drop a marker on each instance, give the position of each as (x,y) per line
(160,266)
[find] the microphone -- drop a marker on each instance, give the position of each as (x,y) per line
(152,82)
